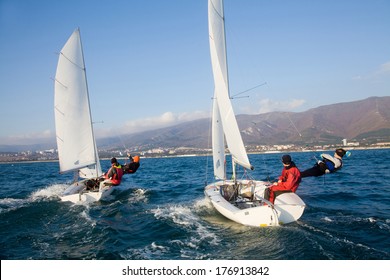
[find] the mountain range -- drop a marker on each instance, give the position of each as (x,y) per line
(366,121)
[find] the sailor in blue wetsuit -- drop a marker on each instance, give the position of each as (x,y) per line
(328,164)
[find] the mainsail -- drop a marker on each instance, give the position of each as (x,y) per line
(74,132)
(222,108)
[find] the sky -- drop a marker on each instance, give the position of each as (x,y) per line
(148,62)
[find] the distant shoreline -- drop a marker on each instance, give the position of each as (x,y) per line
(197,155)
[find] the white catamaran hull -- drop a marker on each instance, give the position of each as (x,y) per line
(247,206)
(77,193)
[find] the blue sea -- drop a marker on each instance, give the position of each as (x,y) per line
(160,213)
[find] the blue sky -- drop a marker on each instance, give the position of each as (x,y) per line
(148,62)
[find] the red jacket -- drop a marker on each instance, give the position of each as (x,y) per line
(290,179)
(115,175)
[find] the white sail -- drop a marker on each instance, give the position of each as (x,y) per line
(221,82)
(75,138)
(240,200)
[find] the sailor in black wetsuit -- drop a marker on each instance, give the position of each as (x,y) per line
(132,166)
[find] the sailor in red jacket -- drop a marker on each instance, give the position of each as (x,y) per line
(114,174)
(288,181)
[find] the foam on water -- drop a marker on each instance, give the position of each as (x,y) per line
(53,191)
(339,241)
(149,252)
(10,204)
(186,217)
(139,195)
(50,192)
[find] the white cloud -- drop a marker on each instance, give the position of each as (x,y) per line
(380,72)
(150,123)
(28,138)
(267,105)
(131,126)
(384,68)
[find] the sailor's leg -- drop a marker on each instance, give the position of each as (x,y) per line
(105,184)
(314,171)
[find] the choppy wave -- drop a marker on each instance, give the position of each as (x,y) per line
(50,192)
(139,195)
(53,191)
(187,217)
(10,204)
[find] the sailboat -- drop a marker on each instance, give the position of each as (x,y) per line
(240,200)
(76,143)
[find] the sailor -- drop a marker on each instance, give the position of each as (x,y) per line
(288,181)
(132,166)
(114,174)
(328,164)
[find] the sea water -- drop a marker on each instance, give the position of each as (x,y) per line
(160,213)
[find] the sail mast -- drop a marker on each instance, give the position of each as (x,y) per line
(97,165)
(227,76)
(226,57)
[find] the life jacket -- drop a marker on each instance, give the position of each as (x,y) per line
(117,177)
(332,163)
(337,168)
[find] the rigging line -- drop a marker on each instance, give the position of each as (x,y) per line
(119,137)
(246,96)
(124,146)
(324,173)
(266,170)
(247,90)
(313,158)
(316,159)
(294,125)
(122,142)
(75,176)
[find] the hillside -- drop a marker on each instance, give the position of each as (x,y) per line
(366,121)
